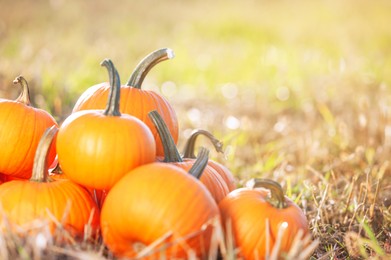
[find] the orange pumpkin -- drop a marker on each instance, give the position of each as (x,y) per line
(223,171)
(210,178)
(158,211)
(256,216)
(136,101)
(23,202)
(96,148)
(55,173)
(21,127)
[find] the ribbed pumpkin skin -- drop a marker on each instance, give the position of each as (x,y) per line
(95,150)
(25,201)
(151,201)
(21,128)
(223,171)
(225,174)
(248,210)
(135,102)
(97,195)
(210,178)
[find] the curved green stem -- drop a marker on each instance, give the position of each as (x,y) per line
(24,96)
(112,107)
(171,153)
(277,198)
(200,164)
(140,72)
(40,168)
(188,151)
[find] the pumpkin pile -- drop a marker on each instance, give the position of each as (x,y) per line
(115,167)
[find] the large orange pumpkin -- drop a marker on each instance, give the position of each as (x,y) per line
(136,101)
(224,172)
(255,216)
(210,178)
(96,148)
(158,211)
(21,127)
(24,202)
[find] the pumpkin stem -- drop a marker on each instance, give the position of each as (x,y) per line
(171,153)
(200,163)
(277,198)
(188,151)
(40,168)
(24,96)
(142,69)
(112,107)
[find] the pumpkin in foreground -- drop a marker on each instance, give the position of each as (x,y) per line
(136,101)
(97,147)
(23,202)
(255,219)
(21,127)
(158,210)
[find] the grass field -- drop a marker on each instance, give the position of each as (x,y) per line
(298,91)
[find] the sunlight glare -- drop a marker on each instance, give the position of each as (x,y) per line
(169,88)
(41,241)
(283,93)
(194,115)
(232,122)
(229,90)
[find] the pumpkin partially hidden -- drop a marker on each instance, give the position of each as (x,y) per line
(223,171)
(24,202)
(160,206)
(209,177)
(255,218)
(21,127)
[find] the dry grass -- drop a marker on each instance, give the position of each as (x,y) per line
(297,91)
(37,242)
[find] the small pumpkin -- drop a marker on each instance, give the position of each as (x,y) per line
(159,211)
(188,152)
(21,127)
(97,147)
(210,178)
(136,101)
(26,201)
(256,213)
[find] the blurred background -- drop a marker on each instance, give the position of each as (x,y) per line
(277,81)
(298,91)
